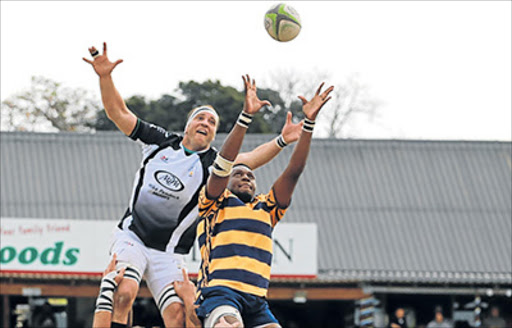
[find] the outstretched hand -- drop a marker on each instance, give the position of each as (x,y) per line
(101,64)
(291,131)
(252,103)
(312,108)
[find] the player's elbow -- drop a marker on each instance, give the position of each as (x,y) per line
(120,116)
(114,114)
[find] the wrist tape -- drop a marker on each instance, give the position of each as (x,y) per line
(280,142)
(244,120)
(222,167)
(308,125)
(105,299)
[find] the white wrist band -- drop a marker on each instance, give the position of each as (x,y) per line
(280,142)
(308,125)
(244,120)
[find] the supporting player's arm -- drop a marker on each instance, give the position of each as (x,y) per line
(218,181)
(104,302)
(115,107)
(285,184)
(186,290)
(264,153)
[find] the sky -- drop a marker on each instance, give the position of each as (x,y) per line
(440,69)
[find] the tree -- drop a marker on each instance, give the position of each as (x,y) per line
(48,106)
(163,112)
(170,111)
(350,100)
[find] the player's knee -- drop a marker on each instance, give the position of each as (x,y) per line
(124,296)
(222,315)
(228,319)
(174,315)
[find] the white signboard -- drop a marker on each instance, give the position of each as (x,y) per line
(295,251)
(82,246)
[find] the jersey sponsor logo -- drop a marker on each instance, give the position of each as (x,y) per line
(168,180)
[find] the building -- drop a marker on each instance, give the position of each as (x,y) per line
(399,223)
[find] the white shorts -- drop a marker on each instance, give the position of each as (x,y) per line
(160,269)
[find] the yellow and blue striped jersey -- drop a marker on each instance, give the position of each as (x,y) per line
(235,239)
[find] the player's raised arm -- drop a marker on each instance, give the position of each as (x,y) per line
(115,107)
(264,153)
(285,184)
(217,181)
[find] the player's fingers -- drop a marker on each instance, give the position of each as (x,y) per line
(326,92)
(304,101)
(245,83)
(266,103)
(117,63)
(288,117)
(114,260)
(105,48)
(324,102)
(184,274)
(119,276)
(320,88)
(112,263)
(87,60)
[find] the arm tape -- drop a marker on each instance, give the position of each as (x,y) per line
(308,125)
(244,120)
(280,142)
(222,167)
(105,299)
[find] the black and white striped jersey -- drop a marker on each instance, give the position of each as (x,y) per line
(163,205)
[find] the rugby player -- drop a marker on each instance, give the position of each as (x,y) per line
(158,228)
(235,230)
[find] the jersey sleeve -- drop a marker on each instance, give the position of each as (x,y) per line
(276,212)
(208,206)
(150,134)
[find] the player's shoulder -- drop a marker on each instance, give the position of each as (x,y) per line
(208,157)
(149,133)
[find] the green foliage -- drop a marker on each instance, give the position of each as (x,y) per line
(171,112)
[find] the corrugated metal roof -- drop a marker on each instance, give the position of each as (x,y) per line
(387,210)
